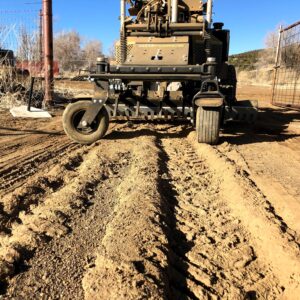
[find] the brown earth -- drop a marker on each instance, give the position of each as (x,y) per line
(147,213)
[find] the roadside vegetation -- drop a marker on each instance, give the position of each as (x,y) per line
(75,53)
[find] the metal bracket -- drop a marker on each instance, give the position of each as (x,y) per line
(209,98)
(91,113)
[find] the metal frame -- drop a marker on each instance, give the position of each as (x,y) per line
(286,83)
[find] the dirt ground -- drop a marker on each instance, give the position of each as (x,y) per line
(147,213)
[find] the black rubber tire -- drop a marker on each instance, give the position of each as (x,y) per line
(208,120)
(229,86)
(232,81)
(75,112)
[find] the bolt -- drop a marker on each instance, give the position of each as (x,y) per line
(84,123)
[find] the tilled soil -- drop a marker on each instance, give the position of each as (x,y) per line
(147,213)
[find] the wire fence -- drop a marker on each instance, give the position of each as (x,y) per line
(286,85)
(20,55)
(21,36)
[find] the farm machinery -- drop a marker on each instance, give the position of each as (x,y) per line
(171,63)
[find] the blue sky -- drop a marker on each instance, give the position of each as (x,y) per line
(248,20)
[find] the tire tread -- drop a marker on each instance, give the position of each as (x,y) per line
(208,125)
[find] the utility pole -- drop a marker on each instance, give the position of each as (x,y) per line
(48,52)
(41,38)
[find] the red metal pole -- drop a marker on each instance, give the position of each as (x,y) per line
(41,39)
(48,52)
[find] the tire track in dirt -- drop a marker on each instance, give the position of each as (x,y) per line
(24,162)
(211,254)
(48,180)
(57,268)
(276,243)
(270,167)
(18,170)
(182,242)
(41,214)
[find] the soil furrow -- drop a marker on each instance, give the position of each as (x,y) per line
(57,269)
(17,170)
(203,226)
(26,167)
(274,242)
(132,258)
(50,217)
(271,178)
(38,188)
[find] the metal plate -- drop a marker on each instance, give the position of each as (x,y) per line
(35,113)
(159,51)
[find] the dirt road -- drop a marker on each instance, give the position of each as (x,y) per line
(147,213)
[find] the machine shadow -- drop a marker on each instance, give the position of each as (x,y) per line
(272,126)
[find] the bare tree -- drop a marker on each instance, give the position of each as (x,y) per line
(67,50)
(267,57)
(271,39)
(72,55)
(28,49)
(91,51)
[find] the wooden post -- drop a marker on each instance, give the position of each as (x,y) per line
(276,65)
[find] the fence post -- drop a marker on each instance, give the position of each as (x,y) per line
(48,52)
(31,94)
(295,86)
(276,63)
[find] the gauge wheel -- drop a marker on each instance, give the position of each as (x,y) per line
(72,117)
(208,122)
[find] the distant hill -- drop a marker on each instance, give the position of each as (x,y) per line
(254,67)
(246,60)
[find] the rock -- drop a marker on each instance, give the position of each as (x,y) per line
(9,255)
(6,269)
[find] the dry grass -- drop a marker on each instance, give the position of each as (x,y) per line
(15,87)
(67,89)
(261,77)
